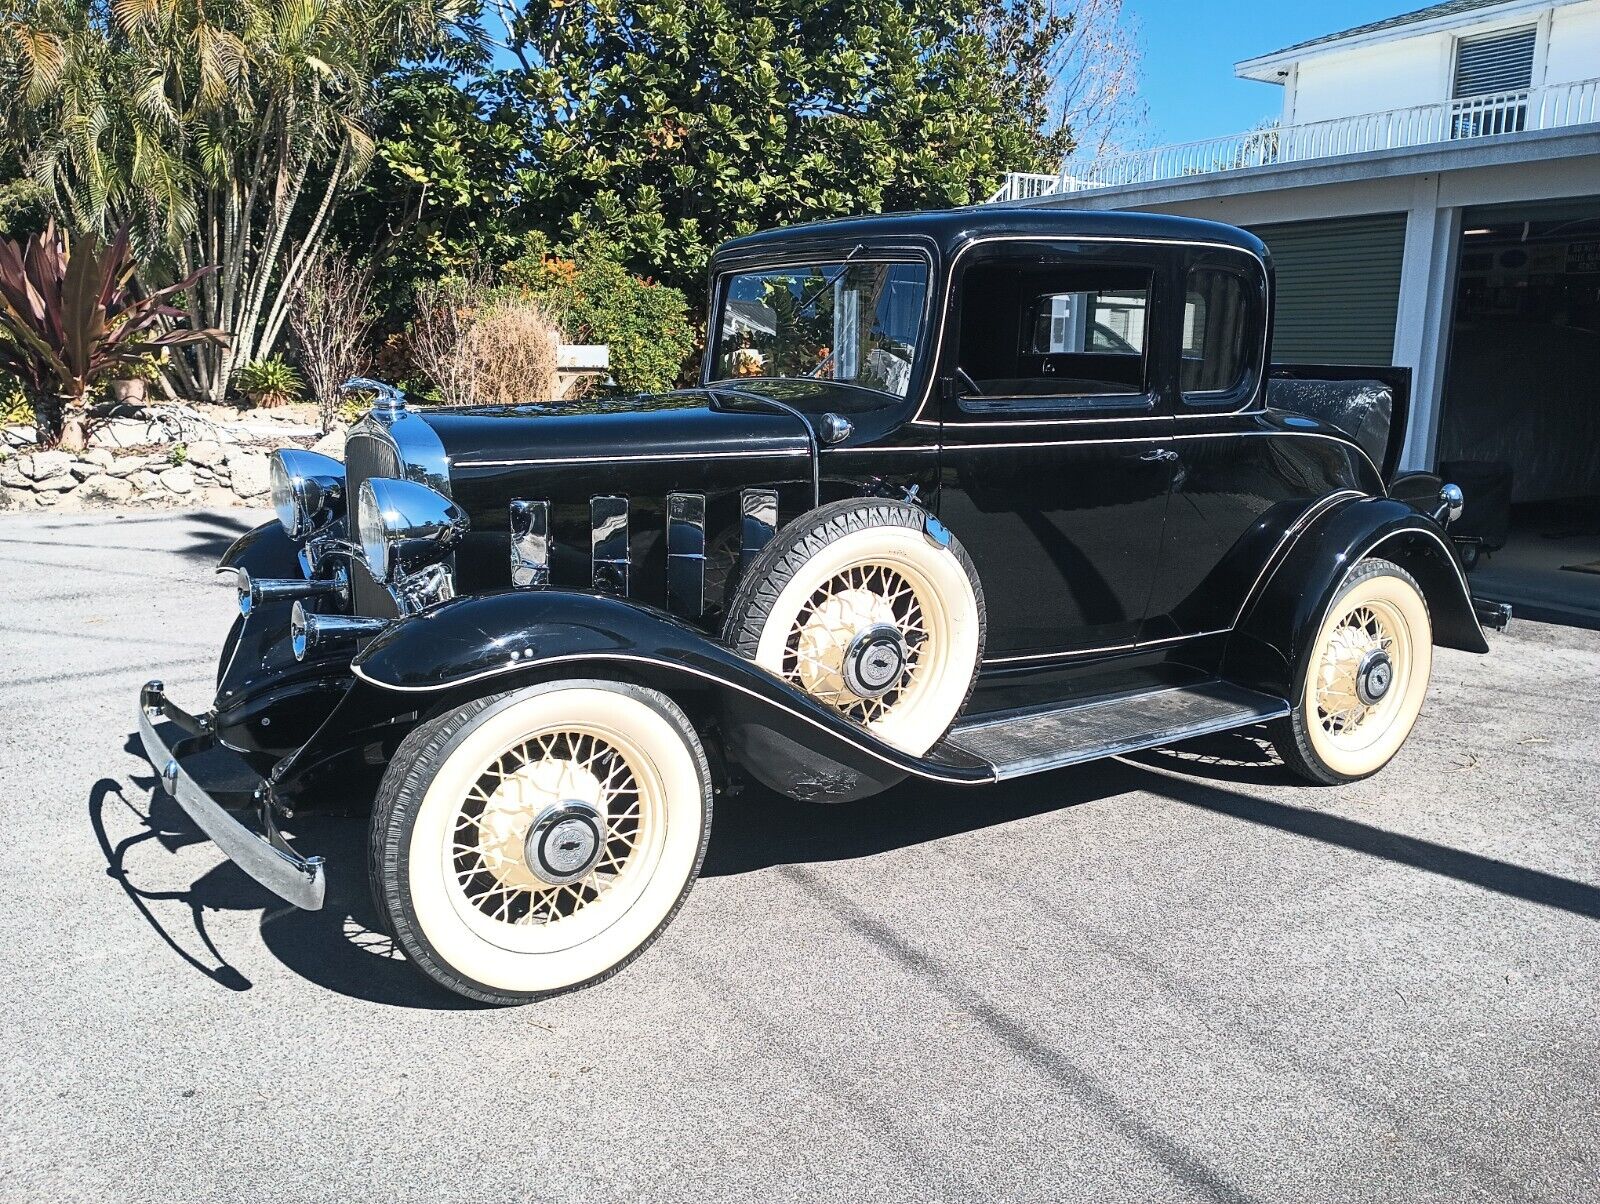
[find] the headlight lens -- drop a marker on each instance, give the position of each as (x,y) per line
(403,526)
(372,534)
(307,490)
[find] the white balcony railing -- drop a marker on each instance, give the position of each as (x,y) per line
(1424,125)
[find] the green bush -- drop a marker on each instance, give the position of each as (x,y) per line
(594,299)
(270,382)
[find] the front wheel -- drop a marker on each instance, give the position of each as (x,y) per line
(1364,680)
(535,842)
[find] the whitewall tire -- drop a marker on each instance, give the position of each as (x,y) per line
(538,841)
(1364,679)
(871,608)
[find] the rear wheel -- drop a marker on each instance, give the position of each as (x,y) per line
(1364,681)
(535,842)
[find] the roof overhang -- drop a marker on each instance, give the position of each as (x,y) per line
(1274,68)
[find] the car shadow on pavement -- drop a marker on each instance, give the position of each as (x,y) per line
(341,947)
(758,828)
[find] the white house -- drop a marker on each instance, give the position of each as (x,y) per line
(1431,196)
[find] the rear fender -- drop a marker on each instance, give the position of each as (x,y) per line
(1268,649)
(783,737)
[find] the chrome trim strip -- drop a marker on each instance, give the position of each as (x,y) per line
(686,554)
(608,543)
(1290,537)
(949,286)
(680,667)
(530,543)
(640,457)
(298,880)
(758,522)
(1073,653)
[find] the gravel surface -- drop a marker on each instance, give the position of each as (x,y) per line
(1174,977)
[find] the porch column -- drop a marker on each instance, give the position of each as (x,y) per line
(1427,299)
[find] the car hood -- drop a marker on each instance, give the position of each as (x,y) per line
(612,428)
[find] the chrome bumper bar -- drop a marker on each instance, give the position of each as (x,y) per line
(268,859)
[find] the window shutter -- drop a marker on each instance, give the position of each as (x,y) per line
(1496,62)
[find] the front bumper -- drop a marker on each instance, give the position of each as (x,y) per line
(269,858)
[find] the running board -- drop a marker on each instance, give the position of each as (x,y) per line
(1035,741)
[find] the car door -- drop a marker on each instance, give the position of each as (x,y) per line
(1241,478)
(1055,456)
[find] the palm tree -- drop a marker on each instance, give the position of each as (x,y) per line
(223,130)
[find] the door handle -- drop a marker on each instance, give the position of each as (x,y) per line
(1158,454)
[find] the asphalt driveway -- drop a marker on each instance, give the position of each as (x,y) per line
(1176,977)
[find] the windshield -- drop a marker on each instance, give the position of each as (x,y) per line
(852,322)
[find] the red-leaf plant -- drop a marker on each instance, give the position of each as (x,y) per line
(72,320)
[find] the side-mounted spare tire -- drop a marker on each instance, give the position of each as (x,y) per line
(872,607)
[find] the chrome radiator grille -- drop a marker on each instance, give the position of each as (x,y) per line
(367,456)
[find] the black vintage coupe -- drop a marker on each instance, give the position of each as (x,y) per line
(962,496)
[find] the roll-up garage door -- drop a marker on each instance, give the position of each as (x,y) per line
(1338,288)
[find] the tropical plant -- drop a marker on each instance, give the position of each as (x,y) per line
(220,129)
(73,318)
(270,382)
(331,322)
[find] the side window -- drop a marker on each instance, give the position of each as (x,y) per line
(1048,335)
(1216,327)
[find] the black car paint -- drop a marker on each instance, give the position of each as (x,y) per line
(1118,548)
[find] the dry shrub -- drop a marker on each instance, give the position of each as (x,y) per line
(331,323)
(480,345)
(514,346)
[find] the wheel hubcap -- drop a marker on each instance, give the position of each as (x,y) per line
(875,660)
(1374,676)
(564,842)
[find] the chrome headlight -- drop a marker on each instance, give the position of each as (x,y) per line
(307,490)
(403,526)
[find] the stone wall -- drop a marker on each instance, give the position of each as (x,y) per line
(203,474)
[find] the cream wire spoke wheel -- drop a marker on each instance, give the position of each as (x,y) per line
(857,642)
(536,841)
(873,609)
(1365,680)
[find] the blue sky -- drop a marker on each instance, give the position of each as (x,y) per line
(1190,47)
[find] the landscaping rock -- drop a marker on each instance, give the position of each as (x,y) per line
(145,481)
(249,473)
(60,483)
(83,470)
(205,453)
(123,466)
(99,456)
(16,499)
(105,488)
(331,444)
(178,480)
(42,465)
(124,432)
(12,477)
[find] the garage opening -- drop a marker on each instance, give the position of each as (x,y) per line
(1520,424)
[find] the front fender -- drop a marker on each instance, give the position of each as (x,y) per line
(1268,648)
(265,552)
(783,737)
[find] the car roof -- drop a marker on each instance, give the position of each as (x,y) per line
(950,229)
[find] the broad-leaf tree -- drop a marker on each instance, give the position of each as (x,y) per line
(666,126)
